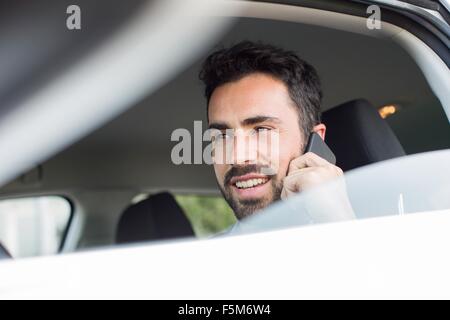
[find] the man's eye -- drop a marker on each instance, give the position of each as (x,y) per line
(223,136)
(262,129)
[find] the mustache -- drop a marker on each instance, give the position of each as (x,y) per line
(237,171)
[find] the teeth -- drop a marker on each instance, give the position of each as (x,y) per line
(250,183)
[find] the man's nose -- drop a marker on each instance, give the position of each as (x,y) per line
(245,149)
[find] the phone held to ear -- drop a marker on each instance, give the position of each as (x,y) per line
(319,147)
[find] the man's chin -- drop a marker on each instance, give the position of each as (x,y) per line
(247,202)
(244,208)
(248,209)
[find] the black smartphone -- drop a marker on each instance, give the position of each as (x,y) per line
(319,147)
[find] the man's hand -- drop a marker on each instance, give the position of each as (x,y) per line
(307,171)
(330,203)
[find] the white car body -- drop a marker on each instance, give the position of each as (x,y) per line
(385,258)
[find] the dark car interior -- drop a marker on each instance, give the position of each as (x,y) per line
(359,136)
(159,217)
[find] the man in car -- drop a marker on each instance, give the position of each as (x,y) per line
(255,90)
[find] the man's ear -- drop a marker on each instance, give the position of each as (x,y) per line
(320,129)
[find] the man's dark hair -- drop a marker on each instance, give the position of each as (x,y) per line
(245,58)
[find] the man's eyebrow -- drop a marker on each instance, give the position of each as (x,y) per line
(218,126)
(260,119)
(246,122)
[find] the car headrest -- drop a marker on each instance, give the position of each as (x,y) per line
(359,136)
(156,218)
(4,254)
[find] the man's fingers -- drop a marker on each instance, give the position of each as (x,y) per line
(307,171)
(301,179)
(309,159)
(293,181)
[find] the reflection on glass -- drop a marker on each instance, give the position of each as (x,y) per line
(407,185)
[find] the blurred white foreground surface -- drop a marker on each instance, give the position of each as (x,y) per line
(393,257)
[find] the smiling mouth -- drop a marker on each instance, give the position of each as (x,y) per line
(250,183)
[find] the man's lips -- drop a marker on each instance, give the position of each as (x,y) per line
(249,180)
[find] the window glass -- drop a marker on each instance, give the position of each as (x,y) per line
(208,214)
(33,226)
(407,185)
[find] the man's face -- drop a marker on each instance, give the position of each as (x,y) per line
(259,111)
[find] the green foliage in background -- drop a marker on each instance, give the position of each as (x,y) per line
(208,214)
